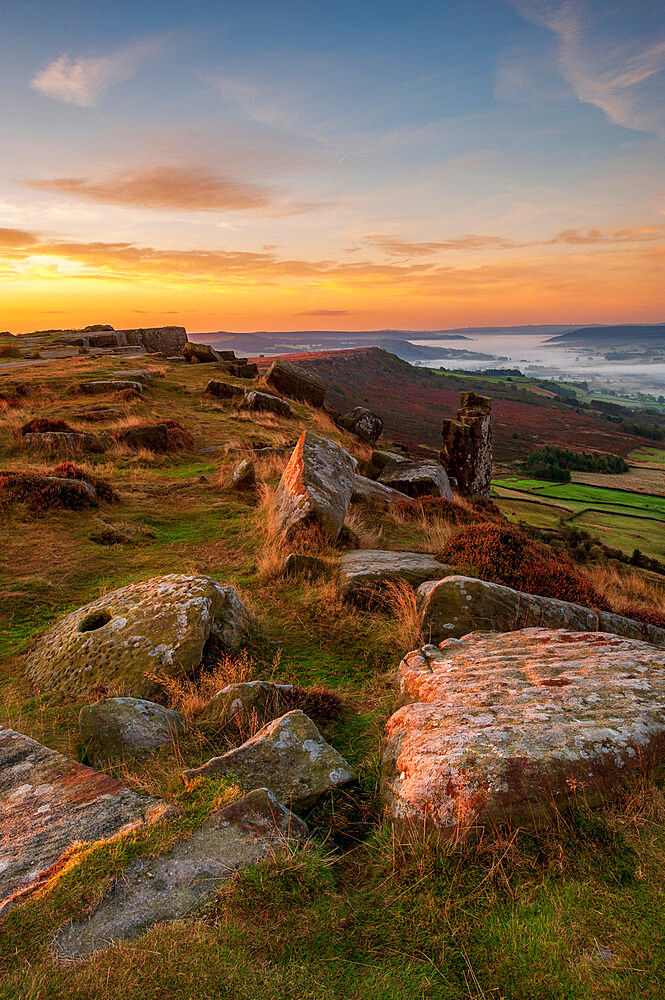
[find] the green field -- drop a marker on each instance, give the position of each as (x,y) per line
(655,455)
(576,494)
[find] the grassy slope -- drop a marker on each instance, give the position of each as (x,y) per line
(574,913)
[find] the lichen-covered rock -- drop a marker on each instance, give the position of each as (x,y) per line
(300,564)
(164,339)
(508,726)
(158,626)
(174,885)
(367,491)
(109,385)
(66,442)
(315,487)
(289,756)
(363,573)
(48,803)
(467,444)
(201,353)
(266,403)
(243,476)
(417,479)
(297,382)
(360,421)
(117,728)
(382,458)
(459,604)
(258,700)
(223,390)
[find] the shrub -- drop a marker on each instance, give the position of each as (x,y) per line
(67,470)
(179,438)
(42,425)
(502,553)
(41,493)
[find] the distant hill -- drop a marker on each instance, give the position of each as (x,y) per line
(613,336)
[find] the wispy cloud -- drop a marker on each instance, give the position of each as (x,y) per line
(84,80)
(396,247)
(324,312)
(194,189)
(605,58)
(16,238)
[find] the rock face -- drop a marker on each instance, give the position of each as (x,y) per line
(417,479)
(367,491)
(223,390)
(264,402)
(261,699)
(158,626)
(459,604)
(243,476)
(47,803)
(174,885)
(289,756)
(467,444)
(364,572)
(126,727)
(363,423)
(504,726)
(109,385)
(70,442)
(163,339)
(316,486)
(296,382)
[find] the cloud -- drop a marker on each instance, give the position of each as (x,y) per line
(83,81)
(396,247)
(194,189)
(606,59)
(324,312)
(16,238)
(638,234)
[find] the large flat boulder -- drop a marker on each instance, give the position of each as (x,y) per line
(315,487)
(363,573)
(510,726)
(223,390)
(289,756)
(165,339)
(117,728)
(175,885)
(297,382)
(265,402)
(48,803)
(64,442)
(368,491)
(459,604)
(159,626)
(417,479)
(201,353)
(94,386)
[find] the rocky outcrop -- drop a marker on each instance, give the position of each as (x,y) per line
(417,479)
(363,573)
(368,491)
(316,486)
(223,390)
(297,382)
(118,728)
(48,803)
(360,421)
(467,444)
(161,339)
(160,626)
(258,701)
(94,386)
(64,442)
(264,402)
(174,885)
(243,476)
(459,604)
(289,756)
(510,726)
(203,353)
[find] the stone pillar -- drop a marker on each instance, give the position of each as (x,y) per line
(467,445)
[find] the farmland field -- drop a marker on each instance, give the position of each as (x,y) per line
(590,496)
(654,456)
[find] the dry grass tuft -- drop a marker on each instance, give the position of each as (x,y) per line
(369,536)
(628,591)
(192,696)
(400,600)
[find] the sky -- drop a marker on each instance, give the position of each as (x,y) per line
(282,164)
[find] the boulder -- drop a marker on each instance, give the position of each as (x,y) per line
(367,491)
(153,437)
(223,390)
(460,604)
(417,479)
(201,353)
(48,803)
(117,728)
(315,487)
(510,726)
(467,444)
(44,492)
(360,421)
(383,458)
(159,626)
(298,564)
(67,442)
(163,339)
(242,369)
(176,884)
(297,382)
(364,572)
(138,374)
(243,476)
(289,756)
(109,385)
(261,700)
(265,403)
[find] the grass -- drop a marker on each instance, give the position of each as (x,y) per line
(575,912)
